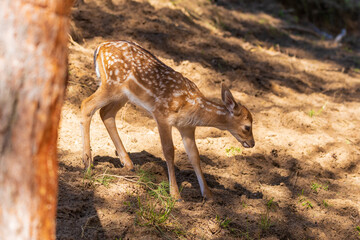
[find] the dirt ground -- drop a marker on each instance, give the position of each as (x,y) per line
(304,94)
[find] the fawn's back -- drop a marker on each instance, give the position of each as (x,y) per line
(145,79)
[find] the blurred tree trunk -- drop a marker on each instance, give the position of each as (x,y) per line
(33,67)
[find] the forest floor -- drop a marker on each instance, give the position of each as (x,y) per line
(300,181)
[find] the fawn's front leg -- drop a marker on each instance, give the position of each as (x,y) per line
(188,137)
(168,150)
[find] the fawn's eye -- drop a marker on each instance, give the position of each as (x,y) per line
(247,128)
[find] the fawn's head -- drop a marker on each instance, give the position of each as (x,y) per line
(239,120)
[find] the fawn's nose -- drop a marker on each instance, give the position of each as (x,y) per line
(249,144)
(245,145)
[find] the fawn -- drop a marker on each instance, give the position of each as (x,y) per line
(128,72)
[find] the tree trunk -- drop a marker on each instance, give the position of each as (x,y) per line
(33,68)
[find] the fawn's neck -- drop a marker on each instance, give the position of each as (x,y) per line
(205,113)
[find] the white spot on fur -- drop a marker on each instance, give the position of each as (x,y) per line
(178,94)
(191,101)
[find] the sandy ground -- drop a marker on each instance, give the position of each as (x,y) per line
(304,94)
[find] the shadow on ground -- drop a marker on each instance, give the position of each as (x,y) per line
(79,207)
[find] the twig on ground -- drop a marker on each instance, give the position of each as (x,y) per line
(301,29)
(296,177)
(86,224)
(78,46)
(126,178)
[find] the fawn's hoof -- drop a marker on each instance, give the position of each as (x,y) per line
(207,200)
(87,160)
(208,196)
(176,196)
(129,167)
(126,163)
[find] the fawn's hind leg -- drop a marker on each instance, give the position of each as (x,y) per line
(108,114)
(89,106)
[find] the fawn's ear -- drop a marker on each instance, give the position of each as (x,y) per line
(229,100)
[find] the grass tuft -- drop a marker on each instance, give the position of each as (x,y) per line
(325,203)
(232,151)
(316,187)
(313,113)
(265,219)
(224,223)
(155,209)
(358,229)
(91,179)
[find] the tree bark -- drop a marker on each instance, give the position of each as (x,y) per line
(33,67)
